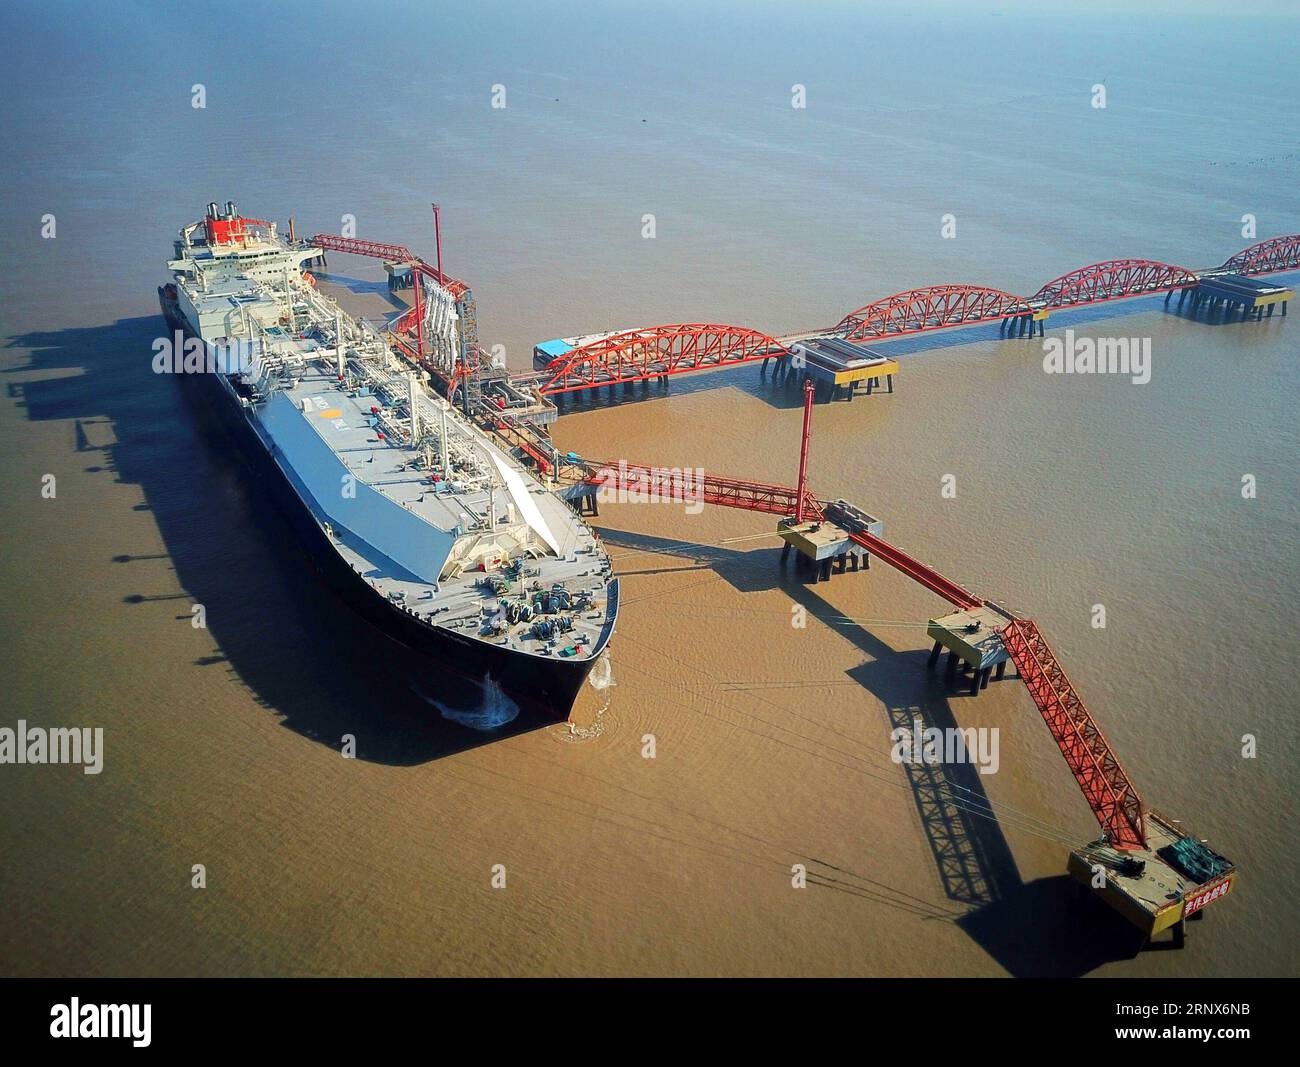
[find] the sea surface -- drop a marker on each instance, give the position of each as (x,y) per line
(771,742)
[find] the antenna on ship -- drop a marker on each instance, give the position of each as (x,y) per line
(338,339)
(442,440)
(437,239)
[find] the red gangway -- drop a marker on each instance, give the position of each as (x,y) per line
(332,242)
(413,317)
(916,570)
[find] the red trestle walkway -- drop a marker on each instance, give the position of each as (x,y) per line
(1105,785)
(637,480)
(332,242)
(918,571)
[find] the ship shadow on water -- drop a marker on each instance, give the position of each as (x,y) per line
(298,650)
(1045,927)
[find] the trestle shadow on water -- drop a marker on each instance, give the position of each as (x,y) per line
(298,650)
(1047,927)
(1225,316)
(778,392)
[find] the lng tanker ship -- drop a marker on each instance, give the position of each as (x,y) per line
(420,520)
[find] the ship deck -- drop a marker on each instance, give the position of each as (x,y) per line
(351,429)
(403,523)
(459,604)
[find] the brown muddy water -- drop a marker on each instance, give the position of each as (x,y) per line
(771,742)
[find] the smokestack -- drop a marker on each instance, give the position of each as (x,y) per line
(213,213)
(230,209)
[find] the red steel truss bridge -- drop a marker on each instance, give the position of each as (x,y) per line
(937,307)
(656,352)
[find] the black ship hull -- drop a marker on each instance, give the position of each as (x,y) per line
(547,686)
